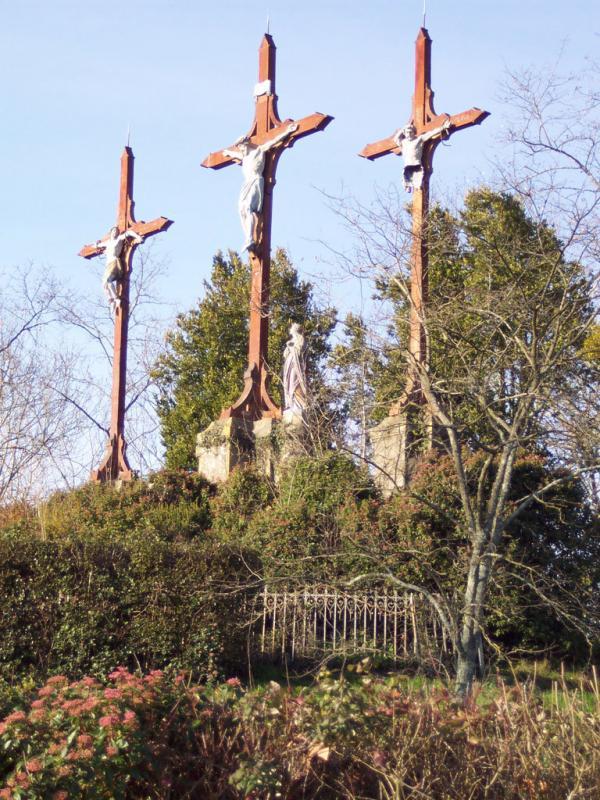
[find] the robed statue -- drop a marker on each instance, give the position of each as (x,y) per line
(295,390)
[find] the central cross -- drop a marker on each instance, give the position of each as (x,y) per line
(259,153)
(417,143)
(114,465)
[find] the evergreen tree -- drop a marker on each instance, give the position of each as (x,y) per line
(201,371)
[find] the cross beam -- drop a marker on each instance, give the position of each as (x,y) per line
(425,120)
(255,402)
(114,465)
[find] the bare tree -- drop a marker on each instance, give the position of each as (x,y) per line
(505,336)
(88,322)
(38,427)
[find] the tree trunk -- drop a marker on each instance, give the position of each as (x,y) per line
(466,663)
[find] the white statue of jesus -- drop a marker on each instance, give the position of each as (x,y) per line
(252,159)
(114,247)
(295,389)
(412,152)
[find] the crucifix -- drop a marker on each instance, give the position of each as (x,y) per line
(120,244)
(258,152)
(417,142)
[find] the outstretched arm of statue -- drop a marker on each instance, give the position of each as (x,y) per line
(293,126)
(135,236)
(398,137)
(235,154)
(437,131)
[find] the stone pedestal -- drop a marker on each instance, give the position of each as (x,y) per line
(267,443)
(389,443)
(222,446)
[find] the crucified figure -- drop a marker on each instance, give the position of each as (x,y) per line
(252,159)
(114,247)
(412,151)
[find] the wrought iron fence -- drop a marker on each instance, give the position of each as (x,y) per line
(311,621)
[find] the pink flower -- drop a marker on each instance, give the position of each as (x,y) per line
(130,719)
(45,691)
(233,682)
(90,704)
(38,704)
(113,694)
(89,682)
(56,680)
(111,751)
(154,677)
(34,765)
(64,771)
(85,740)
(108,721)
(16,716)
(22,780)
(74,708)
(6,793)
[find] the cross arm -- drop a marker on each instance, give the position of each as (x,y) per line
(307,125)
(474,116)
(143,229)
(381,148)
(220,159)
(90,251)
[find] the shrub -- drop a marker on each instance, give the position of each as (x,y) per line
(321,505)
(80,604)
(138,737)
(171,504)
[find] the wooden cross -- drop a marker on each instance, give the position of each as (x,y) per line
(255,402)
(114,465)
(424,120)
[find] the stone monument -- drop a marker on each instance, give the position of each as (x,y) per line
(119,246)
(393,441)
(247,430)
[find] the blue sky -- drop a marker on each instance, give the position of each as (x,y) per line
(75,75)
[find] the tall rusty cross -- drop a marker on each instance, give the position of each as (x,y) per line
(114,465)
(424,120)
(255,402)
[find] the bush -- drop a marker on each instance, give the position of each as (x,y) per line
(136,738)
(84,604)
(309,530)
(173,504)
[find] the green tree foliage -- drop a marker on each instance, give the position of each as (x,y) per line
(547,568)
(201,372)
(358,366)
(495,275)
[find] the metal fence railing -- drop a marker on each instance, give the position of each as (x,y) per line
(319,619)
